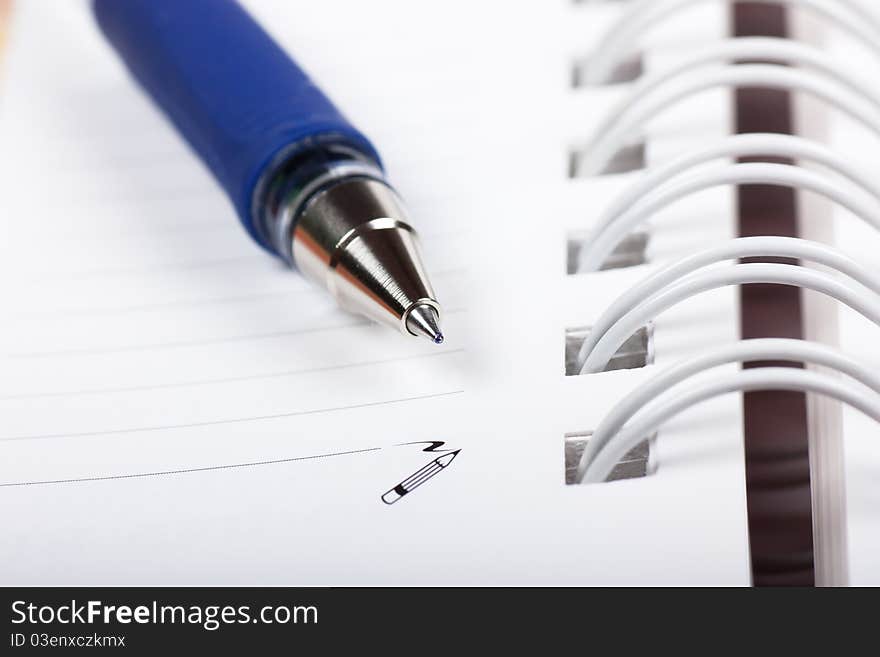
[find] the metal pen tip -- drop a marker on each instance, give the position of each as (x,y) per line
(423,320)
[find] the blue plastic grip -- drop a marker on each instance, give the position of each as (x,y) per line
(230,90)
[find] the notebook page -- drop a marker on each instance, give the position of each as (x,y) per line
(178,408)
(857,336)
(702,449)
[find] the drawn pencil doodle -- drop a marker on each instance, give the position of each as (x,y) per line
(424,473)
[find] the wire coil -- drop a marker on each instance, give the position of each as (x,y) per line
(785,65)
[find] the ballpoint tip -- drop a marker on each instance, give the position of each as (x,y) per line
(423,320)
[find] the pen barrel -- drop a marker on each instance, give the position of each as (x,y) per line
(242,104)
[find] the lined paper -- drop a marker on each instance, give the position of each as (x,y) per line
(177,407)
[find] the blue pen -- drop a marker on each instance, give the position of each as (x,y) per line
(306,185)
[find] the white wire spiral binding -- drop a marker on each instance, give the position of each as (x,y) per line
(856,297)
(761,349)
(743,247)
(665,407)
(638,19)
(654,402)
(594,253)
(746,145)
(627,119)
(767,49)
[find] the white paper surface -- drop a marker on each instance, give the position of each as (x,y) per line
(179,409)
(858,337)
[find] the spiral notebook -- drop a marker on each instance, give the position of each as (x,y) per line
(179,409)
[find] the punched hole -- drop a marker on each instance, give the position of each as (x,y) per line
(628,159)
(637,351)
(634,465)
(631,252)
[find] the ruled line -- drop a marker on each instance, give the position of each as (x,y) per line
(184,303)
(167,224)
(296,289)
(200,190)
(186,343)
(256,418)
(155,269)
(135,161)
(194,343)
(104,231)
(257,260)
(230,379)
(161,473)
